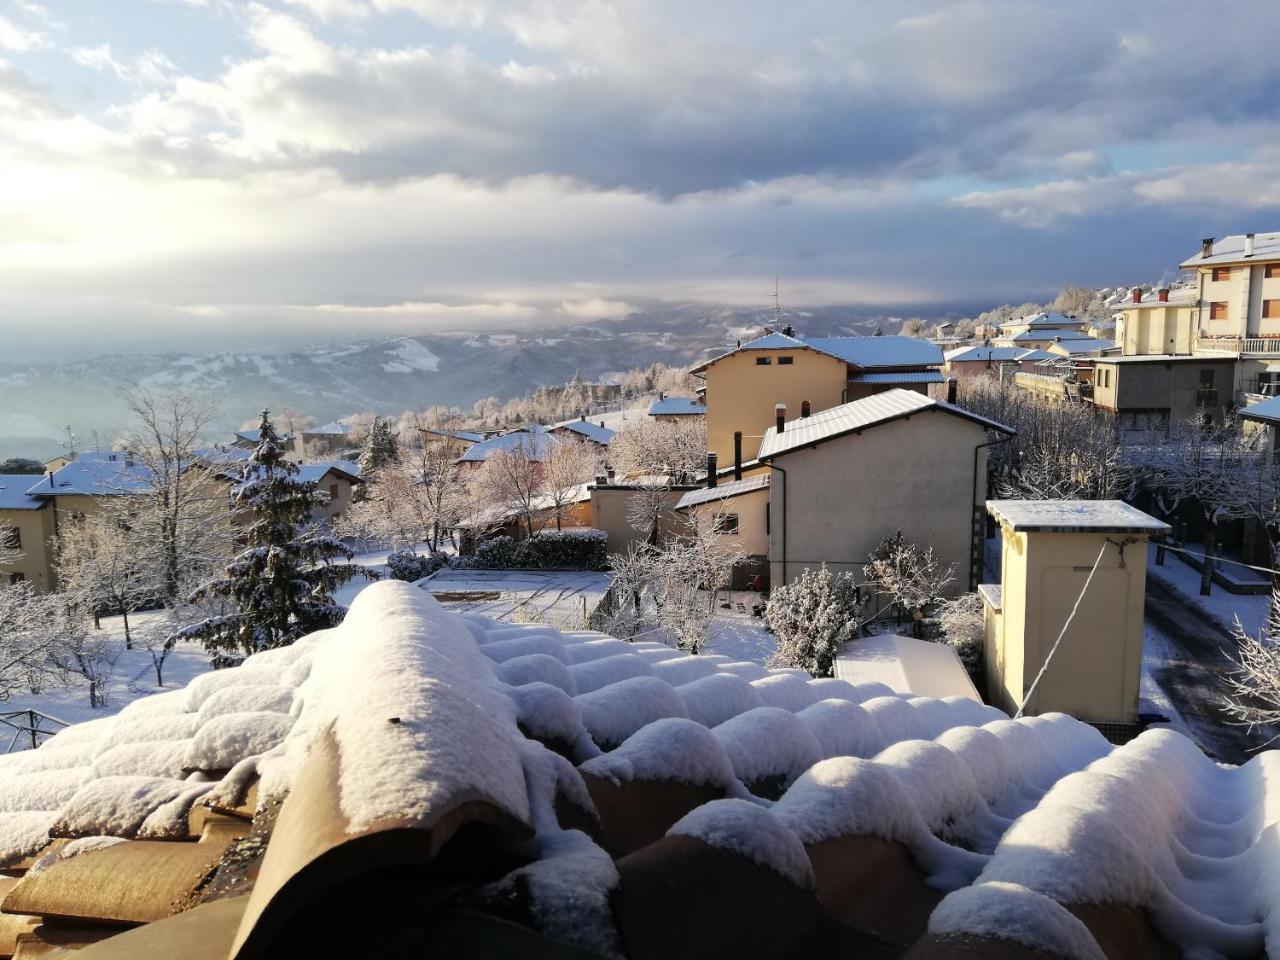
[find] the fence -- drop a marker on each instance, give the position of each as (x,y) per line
(28,725)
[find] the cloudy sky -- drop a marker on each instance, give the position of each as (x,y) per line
(206,167)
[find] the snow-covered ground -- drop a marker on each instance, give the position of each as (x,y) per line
(565,599)
(1251,608)
(133,676)
(736,633)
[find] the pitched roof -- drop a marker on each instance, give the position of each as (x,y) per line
(589,429)
(1038,335)
(865,352)
(902,376)
(1264,411)
(534,439)
(859,415)
(723,491)
(579,795)
(1085,345)
(95,474)
(1042,319)
(329,429)
(1266,246)
(13,492)
(678,407)
(1074,516)
(991,354)
(468,435)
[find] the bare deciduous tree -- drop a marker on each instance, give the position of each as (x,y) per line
(911,577)
(658,447)
(101,568)
(566,465)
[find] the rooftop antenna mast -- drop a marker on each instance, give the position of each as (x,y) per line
(777,304)
(71,443)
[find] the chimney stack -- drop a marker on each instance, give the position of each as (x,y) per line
(805,409)
(1206,247)
(1248,244)
(780,417)
(608,474)
(952,385)
(1136,294)
(1163,294)
(711,468)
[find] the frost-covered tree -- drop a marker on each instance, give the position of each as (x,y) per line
(566,464)
(658,447)
(812,617)
(650,504)
(281,585)
(963,627)
(28,639)
(510,482)
(101,568)
(1254,686)
(380,447)
(910,576)
(10,551)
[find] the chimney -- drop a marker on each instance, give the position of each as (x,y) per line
(711,468)
(582,417)
(1136,294)
(737,455)
(952,385)
(608,474)
(787,331)
(805,409)
(780,416)
(602,423)
(1206,247)
(661,395)
(1163,294)
(1248,244)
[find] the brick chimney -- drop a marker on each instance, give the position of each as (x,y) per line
(780,417)
(1136,294)
(711,468)
(1163,294)
(805,409)
(1248,244)
(1206,247)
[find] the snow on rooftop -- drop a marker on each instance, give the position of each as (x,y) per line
(870,352)
(534,440)
(96,474)
(1074,516)
(1264,411)
(859,415)
(904,376)
(677,407)
(995,354)
(906,666)
(1266,246)
(590,429)
(723,491)
(13,492)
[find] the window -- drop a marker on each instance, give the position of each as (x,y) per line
(17,577)
(11,538)
(763,361)
(1271,309)
(333,491)
(785,361)
(1218,310)
(727,523)
(1206,379)
(1272,271)
(1221,273)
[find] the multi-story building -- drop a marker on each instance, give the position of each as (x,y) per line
(26,527)
(807,375)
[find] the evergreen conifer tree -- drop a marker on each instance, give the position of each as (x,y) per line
(281,585)
(380,447)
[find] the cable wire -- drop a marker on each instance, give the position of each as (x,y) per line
(1063,632)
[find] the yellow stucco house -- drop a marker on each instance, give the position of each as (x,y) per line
(815,373)
(737,513)
(26,525)
(899,462)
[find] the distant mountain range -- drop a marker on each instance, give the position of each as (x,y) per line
(39,400)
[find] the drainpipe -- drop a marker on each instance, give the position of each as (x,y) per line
(974,569)
(737,455)
(774,466)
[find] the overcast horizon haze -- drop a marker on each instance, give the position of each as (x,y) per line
(197,171)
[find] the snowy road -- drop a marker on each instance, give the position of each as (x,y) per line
(1195,658)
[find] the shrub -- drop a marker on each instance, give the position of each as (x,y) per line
(962,624)
(574,549)
(812,616)
(407,565)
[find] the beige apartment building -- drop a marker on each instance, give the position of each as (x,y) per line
(738,514)
(812,374)
(26,525)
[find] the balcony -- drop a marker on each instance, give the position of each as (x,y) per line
(1239,346)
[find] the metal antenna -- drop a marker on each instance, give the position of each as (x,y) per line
(71,441)
(777,305)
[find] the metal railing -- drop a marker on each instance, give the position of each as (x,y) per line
(1266,346)
(29,725)
(1261,386)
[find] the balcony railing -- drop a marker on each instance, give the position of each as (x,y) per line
(1265,346)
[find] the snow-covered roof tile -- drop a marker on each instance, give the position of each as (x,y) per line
(871,352)
(1266,246)
(533,439)
(723,491)
(858,415)
(590,429)
(579,793)
(96,474)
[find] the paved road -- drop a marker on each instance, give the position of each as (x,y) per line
(1192,676)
